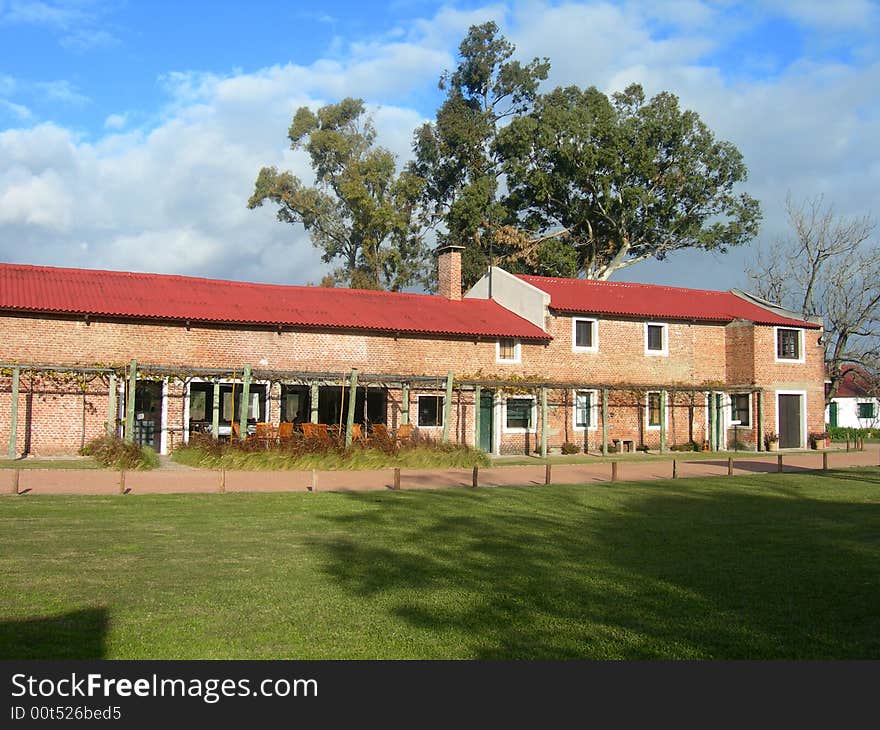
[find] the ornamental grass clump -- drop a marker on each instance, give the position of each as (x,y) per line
(115,453)
(299,453)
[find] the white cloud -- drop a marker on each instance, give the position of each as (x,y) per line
(116,121)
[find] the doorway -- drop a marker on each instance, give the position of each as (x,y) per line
(790,411)
(148,413)
(487,424)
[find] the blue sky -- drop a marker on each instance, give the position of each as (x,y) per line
(131,132)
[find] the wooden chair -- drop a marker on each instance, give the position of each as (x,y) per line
(285,431)
(380,432)
(265,433)
(236,431)
(404,433)
(316,432)
(357,432)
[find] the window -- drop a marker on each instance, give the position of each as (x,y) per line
(431,411)
(583,334)
(508,350)
(653,410)
(518,416)
(740,409)
(656,336)
(866,410)
(585,404)
(788,344)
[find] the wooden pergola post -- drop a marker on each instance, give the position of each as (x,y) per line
(352,394)
(245,402)
(760,437)
(215,412)
(13,413)
(478,394)
(544,423)
(447,407)
(112,393)
(404,404)
(662,421)
(604,421)
(129,401)
(313,403)
(712,446)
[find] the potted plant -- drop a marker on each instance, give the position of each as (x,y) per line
(771,441)
(818,440)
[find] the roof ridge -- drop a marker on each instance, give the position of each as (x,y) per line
(603,282)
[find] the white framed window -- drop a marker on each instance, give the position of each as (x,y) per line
(519,414)
(584,334)
(653,411)
(429,410)
(789,344)
(741,409)
(586,410)
(508,349)
(656,338)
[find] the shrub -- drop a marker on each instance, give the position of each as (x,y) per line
(689,446)
(570,448)
(839,433)
(115,453)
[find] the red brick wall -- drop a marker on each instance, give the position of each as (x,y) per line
(698,354)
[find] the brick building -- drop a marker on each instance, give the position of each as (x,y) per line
(535,362)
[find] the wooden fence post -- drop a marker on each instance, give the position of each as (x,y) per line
(314,480)
(122,481)
(547,474)
(397,477)
(16,474)
(222,481)
(824,461)
(613,471)
(475,479)
(730,466)
(779,463)
(674,470)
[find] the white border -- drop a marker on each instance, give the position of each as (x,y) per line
(517,351)
(801,349)
(648,427)
(533,417)
(594,410)
(441,396)
(658,353)
(803,394)
(595,338)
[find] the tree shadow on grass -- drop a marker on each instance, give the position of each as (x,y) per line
(652,572)
(73,635)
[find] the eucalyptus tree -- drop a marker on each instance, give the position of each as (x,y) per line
(600,183)
(361,212)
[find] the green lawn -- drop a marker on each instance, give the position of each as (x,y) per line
(765,566)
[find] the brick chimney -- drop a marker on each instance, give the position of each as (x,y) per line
(449,271)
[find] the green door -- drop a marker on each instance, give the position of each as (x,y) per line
(832,415)
(487,425)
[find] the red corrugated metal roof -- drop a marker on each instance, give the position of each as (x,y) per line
(652,301)
(160,296)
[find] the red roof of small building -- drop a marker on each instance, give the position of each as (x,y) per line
(583,296)
(121,294)
(855,383)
